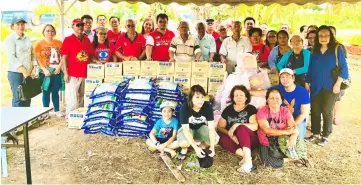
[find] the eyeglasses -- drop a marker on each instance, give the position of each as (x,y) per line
(295,41)
(131,26)
(80,25)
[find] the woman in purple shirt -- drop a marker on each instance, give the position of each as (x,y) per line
(323,87)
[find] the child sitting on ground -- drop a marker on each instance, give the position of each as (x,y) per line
(165,131)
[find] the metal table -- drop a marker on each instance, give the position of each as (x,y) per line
(14,117)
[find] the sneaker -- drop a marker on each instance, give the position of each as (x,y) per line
(312,139)
(323,142)
(43,117)
(58,114)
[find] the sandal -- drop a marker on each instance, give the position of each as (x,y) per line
(181,157)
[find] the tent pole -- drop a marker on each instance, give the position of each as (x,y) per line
(72,4)
(62,14)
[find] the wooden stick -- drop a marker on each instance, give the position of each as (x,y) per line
(173,168)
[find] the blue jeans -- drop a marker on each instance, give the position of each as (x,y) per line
(302,129)
(16,79)
(54,87)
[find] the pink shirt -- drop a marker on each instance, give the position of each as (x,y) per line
(276,120)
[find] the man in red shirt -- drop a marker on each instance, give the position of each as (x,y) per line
(159,41)
(77,52)
(130,45)
(210,28)
(223,35)
(115,32)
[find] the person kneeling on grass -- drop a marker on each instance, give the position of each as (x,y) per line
(164,131)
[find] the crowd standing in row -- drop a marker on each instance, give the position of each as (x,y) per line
(303,62)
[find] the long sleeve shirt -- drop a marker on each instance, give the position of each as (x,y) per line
(301,70)
(19,52)
(319,72)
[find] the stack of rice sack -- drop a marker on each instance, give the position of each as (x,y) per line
(103,109)
(167,91)
(135,108)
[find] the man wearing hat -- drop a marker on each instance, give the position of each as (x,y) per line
(210,28)
(18,50)
(297,99)
(77,52)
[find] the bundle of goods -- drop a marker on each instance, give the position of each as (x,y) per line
(167,91)
(135,109)
(102,111)
(247,74)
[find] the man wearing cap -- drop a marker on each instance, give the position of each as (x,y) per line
(77,52)
(210,28)
(222,35)
(88,22)
(159,41)
(18,50)
(206,43)
(234,45)
(297,99)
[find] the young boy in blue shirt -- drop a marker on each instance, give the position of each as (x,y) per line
(165,131)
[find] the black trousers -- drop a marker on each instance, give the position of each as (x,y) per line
(323,103)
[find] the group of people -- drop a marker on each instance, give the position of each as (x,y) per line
(303,62)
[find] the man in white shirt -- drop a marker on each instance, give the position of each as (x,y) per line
(88,22)
(206,43)
(234,45)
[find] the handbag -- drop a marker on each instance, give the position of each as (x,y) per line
(335,73)
(29,88)
(274,148)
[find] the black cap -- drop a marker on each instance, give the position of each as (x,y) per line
(209,20)
(18,19)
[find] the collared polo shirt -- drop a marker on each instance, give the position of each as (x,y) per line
(78,52)
(161,44)
(113,37)
(19,52)
(185,51)
(207,45)
(130,48)
(230,48)
(90,35)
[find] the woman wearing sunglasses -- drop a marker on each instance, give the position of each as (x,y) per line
(104,51)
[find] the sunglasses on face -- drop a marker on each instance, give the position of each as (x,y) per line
(131,26)
(80,25)
(210,23)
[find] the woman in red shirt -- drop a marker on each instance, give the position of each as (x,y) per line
(103,50)
(259,48)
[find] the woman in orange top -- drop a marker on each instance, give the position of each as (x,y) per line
(47,53)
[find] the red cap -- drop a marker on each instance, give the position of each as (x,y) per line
(76,21)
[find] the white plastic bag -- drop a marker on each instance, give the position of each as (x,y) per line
(258,101)
(246,62)
(260,81)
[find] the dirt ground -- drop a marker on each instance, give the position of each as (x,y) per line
(66,156)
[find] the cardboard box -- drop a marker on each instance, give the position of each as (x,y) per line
(213,84)
(131,68)
(165,78)
(165,69)
(274,78)
(183,69)
(147,77)
(200,69)
(76,118)
(185,82)
(90,84)
(113,70)
(87,100)
(148,68)
(200,81)
(216,70)
(130,77)
(95,71)
(113,80)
